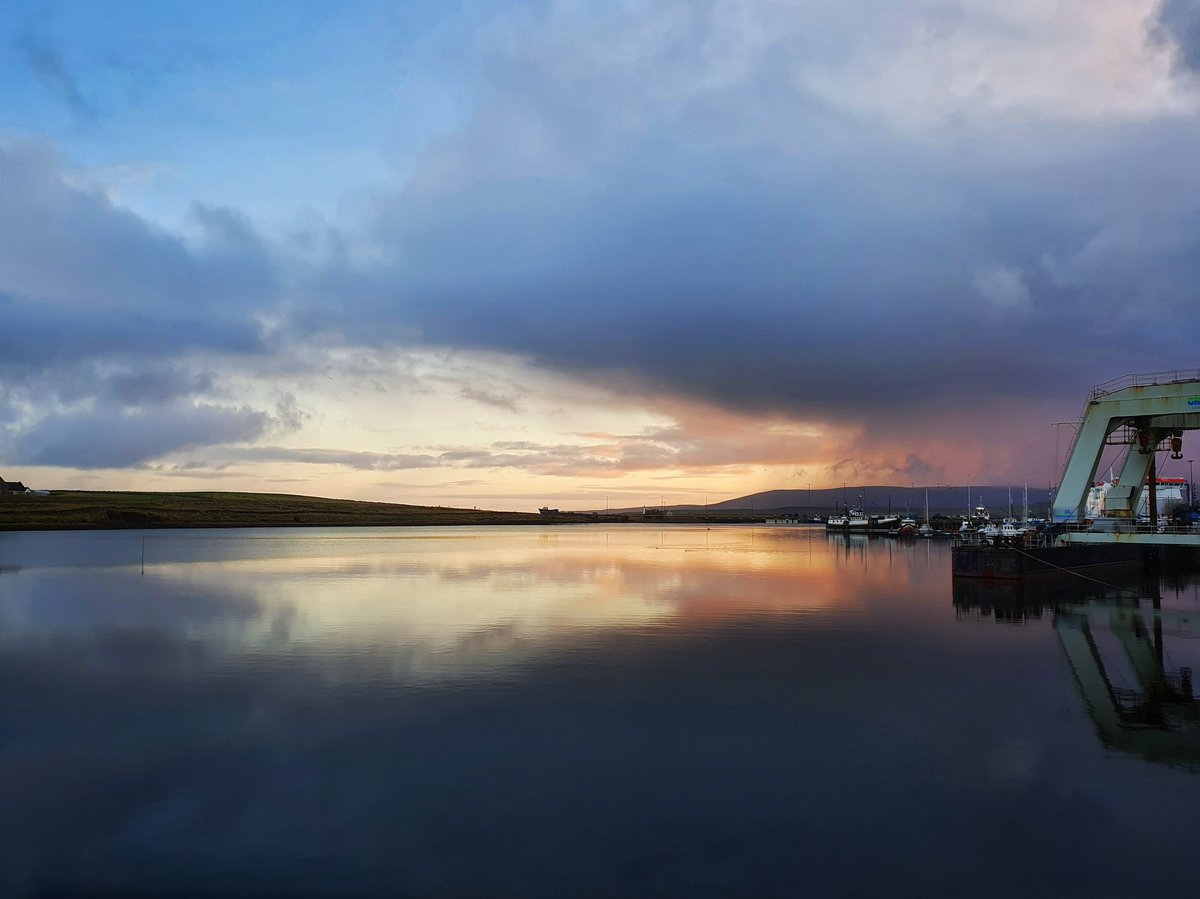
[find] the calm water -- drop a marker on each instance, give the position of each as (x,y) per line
(610,711)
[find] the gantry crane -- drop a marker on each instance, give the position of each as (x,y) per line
(1145,413)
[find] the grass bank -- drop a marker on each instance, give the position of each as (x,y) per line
(82,510)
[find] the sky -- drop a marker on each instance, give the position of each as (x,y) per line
(585,254)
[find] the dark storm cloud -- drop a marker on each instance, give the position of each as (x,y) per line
(1179,22)
(752,244)
(801,294)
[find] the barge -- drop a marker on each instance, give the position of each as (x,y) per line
(1014,562)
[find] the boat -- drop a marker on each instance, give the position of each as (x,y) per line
(908,528)
(1169,495)
(926,529)
(848,520)
(1011,529)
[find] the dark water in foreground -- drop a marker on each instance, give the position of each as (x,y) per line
(578,711)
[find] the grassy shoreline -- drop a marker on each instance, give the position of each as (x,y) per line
(123,510)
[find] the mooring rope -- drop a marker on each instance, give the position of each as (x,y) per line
(1117,587)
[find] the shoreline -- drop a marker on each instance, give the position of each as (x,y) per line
(72,510)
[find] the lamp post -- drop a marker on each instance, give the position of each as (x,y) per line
(1191,485)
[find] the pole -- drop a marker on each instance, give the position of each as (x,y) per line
(1153,492)
(1191,485)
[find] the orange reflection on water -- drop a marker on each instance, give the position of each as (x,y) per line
(442,589)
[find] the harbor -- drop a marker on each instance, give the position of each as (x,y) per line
(1122,521)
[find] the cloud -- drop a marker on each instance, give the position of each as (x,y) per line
(699,196)
(357,460)
(83,278)
(622,455)
(490,398)
(1178,21)
(153,383)
(46,63)
(1002,287)
(115,438)
(802,213)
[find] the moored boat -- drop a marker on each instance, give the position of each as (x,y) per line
(848,520)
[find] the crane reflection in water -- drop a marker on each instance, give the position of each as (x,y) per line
(1117,640)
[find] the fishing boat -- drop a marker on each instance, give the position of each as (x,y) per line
(848,520)
(1011,529)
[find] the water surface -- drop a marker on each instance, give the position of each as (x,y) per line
(608,711)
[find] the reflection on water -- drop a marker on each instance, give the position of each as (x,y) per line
(454,598)
(1131,658)
(574,711)
(1155,715)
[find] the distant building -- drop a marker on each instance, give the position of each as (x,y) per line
(12,487)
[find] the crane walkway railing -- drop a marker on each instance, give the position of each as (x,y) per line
(1147,379)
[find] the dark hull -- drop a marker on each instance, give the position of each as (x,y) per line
(1008,563)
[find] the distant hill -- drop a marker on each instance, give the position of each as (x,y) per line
(880,498)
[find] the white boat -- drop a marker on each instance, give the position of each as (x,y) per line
(908,528)
(1169,495)
(1011,529)
(926,529)
(848,520)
